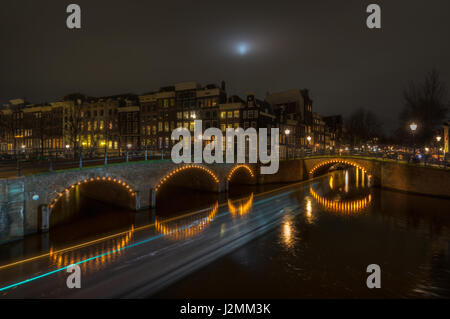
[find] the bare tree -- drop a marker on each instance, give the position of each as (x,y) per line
(362,126)
(74,120)
(426,104)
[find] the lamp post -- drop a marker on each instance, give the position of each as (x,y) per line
(51,160)
(18,159)
(67,150)
(106,152)
(413,127)
(128,148)
(438,140)
(287,132)
(309,138)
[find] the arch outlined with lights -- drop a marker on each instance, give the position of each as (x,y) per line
(238,167)
(175,171)
(336,161)
(115,180)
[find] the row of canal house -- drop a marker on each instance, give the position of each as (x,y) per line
(129,121)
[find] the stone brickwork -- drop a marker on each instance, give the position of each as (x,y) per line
(26,202)
(11,209)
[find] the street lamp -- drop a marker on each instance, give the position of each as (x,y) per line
(287,132)
(18,159)
(438,139)
(309,138)
(103,143)
(413,127)
(128,148)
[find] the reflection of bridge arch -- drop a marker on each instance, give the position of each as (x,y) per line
(331,162)
(188,228)
(174,172)
(108,251)
(109,179)
(240,167)
(344,207)
(243,208)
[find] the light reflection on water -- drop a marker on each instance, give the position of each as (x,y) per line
(186,227)
(115,246)
(319,252)
(240,207)
(316,251)
(349,207)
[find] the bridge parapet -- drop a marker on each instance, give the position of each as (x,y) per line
(25,201)
(141,179)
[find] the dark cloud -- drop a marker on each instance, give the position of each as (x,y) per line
(137,46)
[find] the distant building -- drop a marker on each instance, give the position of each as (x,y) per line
(335,127)
(293,109)
(114,124)
(178,106)
(251,113)
(318,137)
(31,128)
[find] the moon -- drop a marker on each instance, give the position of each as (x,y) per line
(242,48)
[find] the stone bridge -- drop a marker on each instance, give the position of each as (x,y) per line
(27,202)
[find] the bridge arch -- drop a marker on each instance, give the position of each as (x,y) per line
(128,197)
(333,161)
(238,168)
(213,177)
(110,179)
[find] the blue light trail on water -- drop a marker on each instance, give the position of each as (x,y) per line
(120,249)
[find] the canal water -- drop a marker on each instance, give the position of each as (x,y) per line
(320,250)
(324,251)
(77,219)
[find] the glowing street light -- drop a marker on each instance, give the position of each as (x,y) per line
(413,127)
(287,132)
(438,139)
(128,147)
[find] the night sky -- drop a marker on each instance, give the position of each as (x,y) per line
(255,46)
